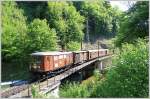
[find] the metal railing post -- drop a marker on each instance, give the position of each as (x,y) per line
(28,90)
(39,85)
(54,79)
(47,81)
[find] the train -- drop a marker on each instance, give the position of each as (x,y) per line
(43,63)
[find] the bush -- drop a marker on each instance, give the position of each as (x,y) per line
(35,93)
(74,90)
(73,46)
(129,75)
(77,90)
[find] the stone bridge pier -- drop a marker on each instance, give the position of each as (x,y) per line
(101,65)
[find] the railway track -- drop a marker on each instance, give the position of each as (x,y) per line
(13,91)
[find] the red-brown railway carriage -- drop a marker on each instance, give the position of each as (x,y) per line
(103,52)
(97,53)
(80,56)
(50,61)
(93,54)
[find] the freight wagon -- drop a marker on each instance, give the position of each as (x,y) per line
(49,61)
(80,56)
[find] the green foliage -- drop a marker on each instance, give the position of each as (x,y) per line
(73,46)
(14,31)
(35,93)
(67,21)
(129,76)
(97,74)
(33,9)
(74,90)
(102,18)
(41,37)
(77,90)
(19,39)
(14,42)
(134,23)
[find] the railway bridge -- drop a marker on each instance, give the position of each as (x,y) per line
(51,85)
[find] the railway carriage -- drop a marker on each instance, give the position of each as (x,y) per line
(103,52)
(80,56)
(93,54)
(50,61)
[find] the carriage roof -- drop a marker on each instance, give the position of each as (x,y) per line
(97,50)
(50,53)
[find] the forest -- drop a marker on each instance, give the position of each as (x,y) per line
(29,27)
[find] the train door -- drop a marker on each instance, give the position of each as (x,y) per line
(48,63)
(56,62)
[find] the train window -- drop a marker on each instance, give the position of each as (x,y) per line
(36,61)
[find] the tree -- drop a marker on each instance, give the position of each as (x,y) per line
(134,23)
(14,31)
(41,37)
(33,9)
(67,21)
(101,17)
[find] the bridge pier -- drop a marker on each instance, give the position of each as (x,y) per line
(99,65)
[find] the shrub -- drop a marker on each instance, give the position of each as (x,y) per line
(74,90)
(73,46)
(129,75)
(77,90)
(35,93)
